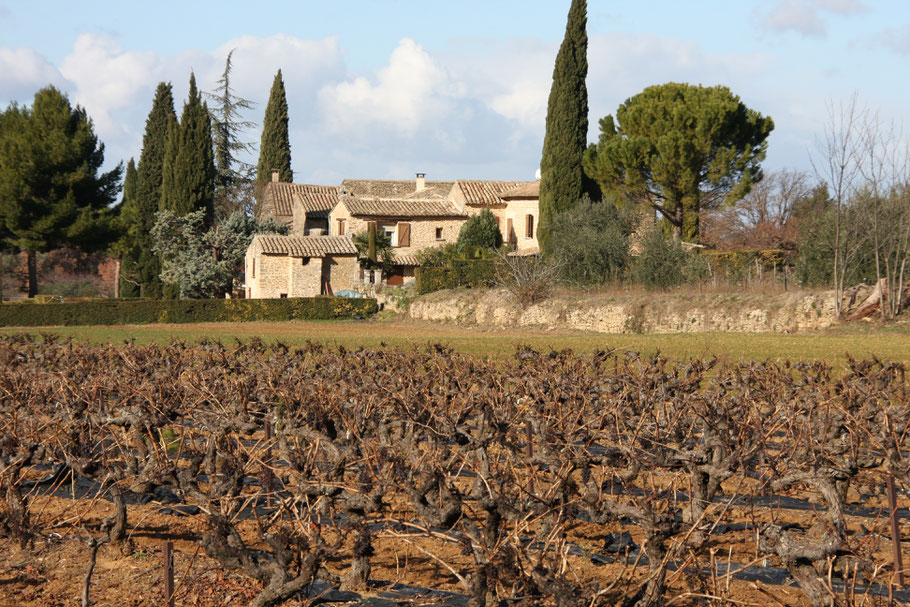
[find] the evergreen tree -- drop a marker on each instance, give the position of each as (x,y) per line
(562,181)
(141,264)
(680,148)
(227,125)
(479,234)
(275,148)
(125,220)
(51,193)
(194,168)
(167,200)
(203,262)
(130,183)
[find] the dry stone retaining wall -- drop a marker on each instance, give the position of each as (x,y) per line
(657,313)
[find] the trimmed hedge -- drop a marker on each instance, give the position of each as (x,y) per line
(120,312)
(459,273)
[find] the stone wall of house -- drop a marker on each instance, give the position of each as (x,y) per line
(351,225)
(342,271)
(266,275)
(518,211)
(304,276)
(423,229)
(423,233)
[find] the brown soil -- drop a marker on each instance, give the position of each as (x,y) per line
(51,572)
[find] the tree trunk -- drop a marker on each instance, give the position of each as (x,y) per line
(32,257)
(678,221)
(117,263)
(690,218)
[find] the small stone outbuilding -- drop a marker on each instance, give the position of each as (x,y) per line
(299,266)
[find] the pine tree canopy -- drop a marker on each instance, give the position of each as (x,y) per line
(275,148)
(51,191)
(50,187)
(680,148)
(562,181)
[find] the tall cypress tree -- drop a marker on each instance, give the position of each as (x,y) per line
(275,149)
(194,169)
(142,264)
(562,180)
(125,247)
(171,147)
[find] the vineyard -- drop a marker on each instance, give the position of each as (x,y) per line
(312,475)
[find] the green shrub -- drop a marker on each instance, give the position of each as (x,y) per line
(590,243)
(478,233)
(441,255)
(121,312)
(458,273)
(660,263)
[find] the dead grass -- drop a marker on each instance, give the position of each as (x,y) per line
(861,340)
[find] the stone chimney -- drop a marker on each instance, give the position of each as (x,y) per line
(275,173)
(421,182)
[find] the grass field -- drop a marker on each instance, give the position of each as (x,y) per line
(860,340)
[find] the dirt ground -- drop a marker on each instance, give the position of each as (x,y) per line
(51,572)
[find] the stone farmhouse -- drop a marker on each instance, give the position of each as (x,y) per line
(318,257)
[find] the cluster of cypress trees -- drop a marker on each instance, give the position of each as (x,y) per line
(177,172)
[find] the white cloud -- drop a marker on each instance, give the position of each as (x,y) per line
(807,16)
(116,86)
(107,79)
(22,72)
(474,110)
(411,91)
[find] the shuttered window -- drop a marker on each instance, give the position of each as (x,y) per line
(404,234)
(530,227)
(341,227)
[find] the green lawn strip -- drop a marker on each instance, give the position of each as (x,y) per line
(831,346)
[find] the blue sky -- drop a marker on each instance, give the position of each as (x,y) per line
(386,88)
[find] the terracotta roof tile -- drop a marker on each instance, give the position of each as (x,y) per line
(305,246)
(486,192)
(528,189)
(317,200)
(385,207)
(400,189)
(406,260)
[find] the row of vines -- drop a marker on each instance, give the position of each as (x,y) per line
(549,479)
